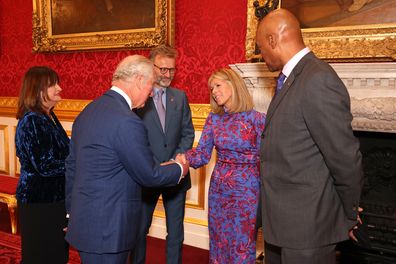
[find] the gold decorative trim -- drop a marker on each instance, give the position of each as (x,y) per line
(9,199)
(201,190)
(190,220)
(68,110)
(11,202)
(8,106)
(199,114)
(6,169)
(347,43)
(200,205)
(16,159)
(45,41)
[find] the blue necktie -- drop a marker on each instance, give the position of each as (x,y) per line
(279,82)
(160,107)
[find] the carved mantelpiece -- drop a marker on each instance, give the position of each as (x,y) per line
(372,88)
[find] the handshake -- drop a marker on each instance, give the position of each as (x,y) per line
(181,159)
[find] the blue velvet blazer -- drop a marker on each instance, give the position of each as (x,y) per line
(42,146)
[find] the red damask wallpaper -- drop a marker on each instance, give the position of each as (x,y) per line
(209,34)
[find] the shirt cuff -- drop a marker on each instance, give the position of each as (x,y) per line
(181,169)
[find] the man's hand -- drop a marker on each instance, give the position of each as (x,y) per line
(186,168)
(181,158)
(183,162)
(351,235)
(167,162)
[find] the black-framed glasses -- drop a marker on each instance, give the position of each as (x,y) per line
(164,70)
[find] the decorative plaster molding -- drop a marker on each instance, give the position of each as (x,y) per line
(372,88)
(66,110)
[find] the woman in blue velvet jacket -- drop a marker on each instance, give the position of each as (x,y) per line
(42,146)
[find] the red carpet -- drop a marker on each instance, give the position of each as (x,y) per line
(10,247)
(10,250)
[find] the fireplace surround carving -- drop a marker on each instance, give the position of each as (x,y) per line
(372,88)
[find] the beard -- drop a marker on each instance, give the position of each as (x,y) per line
(164,81)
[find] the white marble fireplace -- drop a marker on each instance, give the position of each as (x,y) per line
(372,88)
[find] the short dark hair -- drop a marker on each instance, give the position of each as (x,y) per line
(35,83)
(163,50)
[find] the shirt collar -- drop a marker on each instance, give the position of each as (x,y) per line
(123,94)
(156,88)
(289,66)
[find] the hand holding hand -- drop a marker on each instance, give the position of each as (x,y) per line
(181,158)
(186,168)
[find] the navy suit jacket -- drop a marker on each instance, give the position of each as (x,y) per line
(179,130)
(109,161)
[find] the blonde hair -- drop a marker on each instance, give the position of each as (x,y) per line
(241,100)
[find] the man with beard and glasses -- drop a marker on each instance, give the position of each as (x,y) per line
(167,117)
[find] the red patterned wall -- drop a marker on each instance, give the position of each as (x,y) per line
(209,34)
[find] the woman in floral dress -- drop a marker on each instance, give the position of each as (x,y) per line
(234,129)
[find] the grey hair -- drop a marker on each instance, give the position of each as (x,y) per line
(133,65)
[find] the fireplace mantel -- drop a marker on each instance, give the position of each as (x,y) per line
(371,86)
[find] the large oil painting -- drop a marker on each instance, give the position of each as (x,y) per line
(65,25)
(339,30)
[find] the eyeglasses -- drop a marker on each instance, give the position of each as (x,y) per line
(164,70)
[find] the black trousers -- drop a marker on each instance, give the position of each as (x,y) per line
(42,234)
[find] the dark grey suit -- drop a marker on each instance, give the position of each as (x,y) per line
(311,172)
(178,138)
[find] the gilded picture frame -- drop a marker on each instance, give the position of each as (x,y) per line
(372,42)
(54,32)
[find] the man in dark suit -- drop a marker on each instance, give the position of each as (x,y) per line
(109,161)
(167,117)
(310,160)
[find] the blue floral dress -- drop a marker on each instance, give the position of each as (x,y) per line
(234,184)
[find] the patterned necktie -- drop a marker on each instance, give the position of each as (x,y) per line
(160,107)
(279,83)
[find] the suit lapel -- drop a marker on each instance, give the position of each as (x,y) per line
(278,98)
(286,86)
(154,113)
(170,107)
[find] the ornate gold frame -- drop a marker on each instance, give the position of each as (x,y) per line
(349,43)
(45,41)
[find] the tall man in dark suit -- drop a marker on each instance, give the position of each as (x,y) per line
(310,160)
(167,117)
(109,161)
